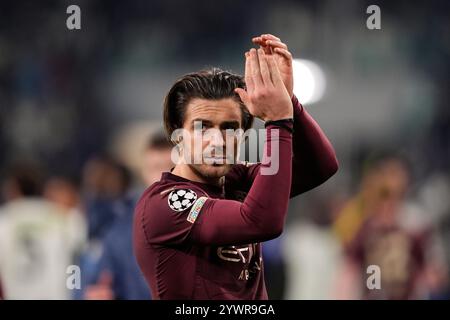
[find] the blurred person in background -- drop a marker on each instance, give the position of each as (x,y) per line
(105,193)
(300,263)
(64,192)
(117,273)
(37,239)
(358,208)
(105,181)
(275,266)
(311,249)
(433,194)
(382,237)
(156,158)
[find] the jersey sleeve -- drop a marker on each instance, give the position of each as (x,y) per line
(167,217)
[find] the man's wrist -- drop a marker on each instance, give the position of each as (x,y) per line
(287,123)
(276,118)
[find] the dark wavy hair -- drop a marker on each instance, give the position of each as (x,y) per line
(210,84)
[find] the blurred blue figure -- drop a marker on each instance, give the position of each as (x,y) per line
(109,268)
(104,183)
(115,273)
(275,267)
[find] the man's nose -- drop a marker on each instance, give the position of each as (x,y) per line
(216,138)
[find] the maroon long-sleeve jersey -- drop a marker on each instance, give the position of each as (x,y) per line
(198,241)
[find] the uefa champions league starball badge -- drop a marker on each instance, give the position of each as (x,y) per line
(181,199)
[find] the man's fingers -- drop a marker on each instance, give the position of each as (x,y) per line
(276,77)
(269,44)
(285,53)
(257,40)
(266,49)
(242,94)
(248,74)
(264,38)
(265,72)
(255,70)
(276,44)
(269,36)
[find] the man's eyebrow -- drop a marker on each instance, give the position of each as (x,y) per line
(202,120)
(233,124)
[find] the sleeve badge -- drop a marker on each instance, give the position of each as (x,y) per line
(181,199)
(193,214)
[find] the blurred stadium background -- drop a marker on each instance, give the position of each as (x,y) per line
(81,112)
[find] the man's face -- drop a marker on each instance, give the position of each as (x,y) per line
(210,140)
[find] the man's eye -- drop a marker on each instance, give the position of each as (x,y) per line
(202,127)
(230,127)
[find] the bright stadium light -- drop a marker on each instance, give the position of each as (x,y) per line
(309,81)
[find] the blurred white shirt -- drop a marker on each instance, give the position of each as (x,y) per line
(313,257)
(38,241)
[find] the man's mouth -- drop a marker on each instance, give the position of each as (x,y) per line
(215,160)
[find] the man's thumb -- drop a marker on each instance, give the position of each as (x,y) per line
(242,94)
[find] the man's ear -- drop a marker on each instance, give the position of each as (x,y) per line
(176,137)
(177,140)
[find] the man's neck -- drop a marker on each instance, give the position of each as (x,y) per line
(186,171)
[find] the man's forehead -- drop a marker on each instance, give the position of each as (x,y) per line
(226,109)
